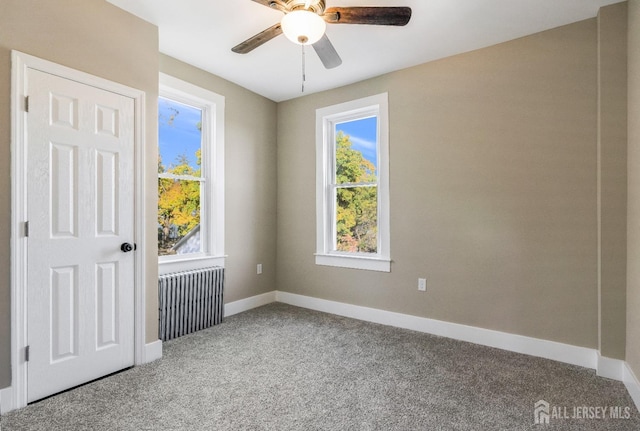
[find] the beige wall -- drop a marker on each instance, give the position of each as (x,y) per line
(633,227)
(250,181)
(494,193)
(95,37)
(493,190)
(612,178)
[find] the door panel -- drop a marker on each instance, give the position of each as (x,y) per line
(64,313)
(80,285)
(107,304)
(106,194)
(64,185)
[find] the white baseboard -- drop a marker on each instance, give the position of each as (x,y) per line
(610,368)
(581,356)
(632,383)
(246,304)
(152,351)
(574,355)
(6,400)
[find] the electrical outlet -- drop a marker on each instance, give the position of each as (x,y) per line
(422,284)
(259,269)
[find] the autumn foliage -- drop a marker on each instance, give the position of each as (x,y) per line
(178,202)
(356,199)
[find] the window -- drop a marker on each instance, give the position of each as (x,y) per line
(190,176)
(180,178)
(352,184)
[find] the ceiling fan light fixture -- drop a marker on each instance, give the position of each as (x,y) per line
(303,27)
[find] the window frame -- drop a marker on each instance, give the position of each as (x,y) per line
(326,119)
(212,174)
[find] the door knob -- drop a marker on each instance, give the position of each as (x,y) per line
(126,247)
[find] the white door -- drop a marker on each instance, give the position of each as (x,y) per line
(80,197)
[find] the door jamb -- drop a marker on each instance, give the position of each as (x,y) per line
(20,64)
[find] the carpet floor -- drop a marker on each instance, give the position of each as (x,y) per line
(280,367)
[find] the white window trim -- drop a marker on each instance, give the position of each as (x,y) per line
(212,106)
(326,118)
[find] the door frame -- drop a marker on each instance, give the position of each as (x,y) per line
(20,64)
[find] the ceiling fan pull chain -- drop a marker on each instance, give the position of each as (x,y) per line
(304,77)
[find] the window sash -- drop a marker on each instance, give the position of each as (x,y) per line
(205,138)
(198,219)
(205,192)
(331,235)
(352,185)
(334,220)
(181,177)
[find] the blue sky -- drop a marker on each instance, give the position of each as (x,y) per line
(363,134)
(181,136)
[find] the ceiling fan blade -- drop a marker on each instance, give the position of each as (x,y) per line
(327,53)
(257,40)
(368,15)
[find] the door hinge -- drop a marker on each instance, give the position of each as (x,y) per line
(26,229)
(26,354)
(26,104)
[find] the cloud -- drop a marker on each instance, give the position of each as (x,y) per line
(363,143)
(367,147)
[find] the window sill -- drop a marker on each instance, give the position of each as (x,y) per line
(354,262)
(187,263)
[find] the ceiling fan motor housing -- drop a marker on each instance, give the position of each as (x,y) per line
(316,6)
(303,26)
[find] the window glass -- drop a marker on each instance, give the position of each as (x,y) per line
(356,206)
(180,178)
(357,219)
(178,216)
(358,139)
(179,138)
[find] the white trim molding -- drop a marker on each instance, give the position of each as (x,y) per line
(610,368)
(354,262)
(21,63)
(632,383)
(152,351)
(574,355)
(246,304)
(615,369)
(6,400)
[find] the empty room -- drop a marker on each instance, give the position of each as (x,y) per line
(320,215)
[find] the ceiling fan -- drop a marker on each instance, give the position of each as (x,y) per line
(304,23)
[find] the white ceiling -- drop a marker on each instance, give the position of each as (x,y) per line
(202,33)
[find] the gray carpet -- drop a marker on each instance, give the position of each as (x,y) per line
(285,368)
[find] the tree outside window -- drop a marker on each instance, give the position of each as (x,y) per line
(180,180)
(356,186)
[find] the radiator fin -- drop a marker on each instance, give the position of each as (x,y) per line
(190,301)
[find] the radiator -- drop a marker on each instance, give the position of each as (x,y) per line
(190,301)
